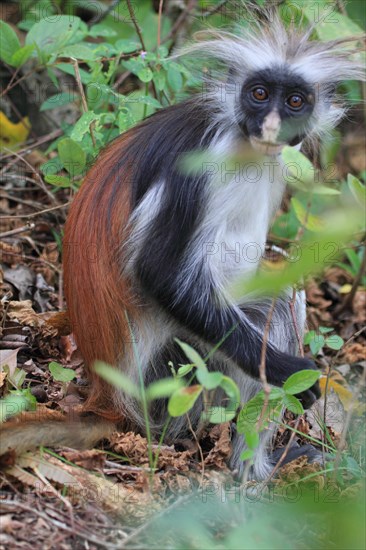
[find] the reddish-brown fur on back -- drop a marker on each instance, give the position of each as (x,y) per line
(98,298)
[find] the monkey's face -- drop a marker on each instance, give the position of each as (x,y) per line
(275,108)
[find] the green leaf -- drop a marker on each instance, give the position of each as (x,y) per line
(192,355)
(293,404)
(22,55)
(82,126)
(184,370)
(16,402)
(9,43)
(183,400)
(324,330)
(175,79)
(334,25)
(301,381)
(218,415)
(51,37)
(117,378)
(163,388)
(145,74)
(209,380)
(58,181)
(334,342)
(316,344)
(248,416)
(127,46)
(68,68)
(72,156)
(160,79)
(162,51)
(309,336)
(324,190)
(248,454)
(148,100)
(252,439)
(354,259)
(51,166)
(60,373)
(276,394)
(78,51)
(57,100)
(357,189)
(298,168)
(309,221)
(100,29)
(232,391)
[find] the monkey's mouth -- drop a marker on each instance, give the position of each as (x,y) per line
(266,148)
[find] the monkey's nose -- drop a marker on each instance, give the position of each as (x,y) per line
(271,127)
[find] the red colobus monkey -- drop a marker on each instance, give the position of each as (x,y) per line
(141,261)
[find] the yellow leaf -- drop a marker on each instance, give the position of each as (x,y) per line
(13,133)
(344,394)
(345,289)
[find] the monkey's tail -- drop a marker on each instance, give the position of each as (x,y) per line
(30,430)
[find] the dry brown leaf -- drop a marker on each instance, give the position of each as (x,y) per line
(130,445)
(221,452)
(23,313)
(338,275)
(315,296)
(353,352)
(25,477)
(359,307)
(135,448)
(298,469)
(11,254)
(335,415)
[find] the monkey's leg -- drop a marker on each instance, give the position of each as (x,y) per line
(284,331)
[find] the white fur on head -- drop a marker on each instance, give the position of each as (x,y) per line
(264,46)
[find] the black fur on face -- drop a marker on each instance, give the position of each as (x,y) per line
(276,90)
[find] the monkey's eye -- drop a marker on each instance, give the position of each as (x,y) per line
(295,102)
(260,94)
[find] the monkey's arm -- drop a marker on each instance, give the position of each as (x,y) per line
(199,309)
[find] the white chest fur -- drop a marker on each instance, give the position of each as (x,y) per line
(240,210)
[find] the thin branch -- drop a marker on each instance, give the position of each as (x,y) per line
(159,21)
(285,452)
(40,141)
(294,320)
(34,214)
(18,230)
(135,24)
(38,178)
(83,98)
